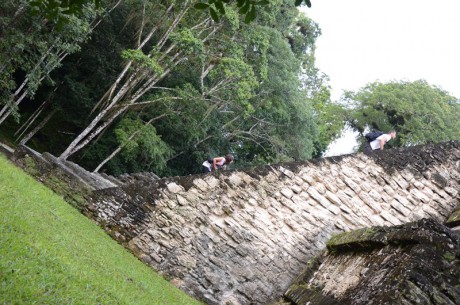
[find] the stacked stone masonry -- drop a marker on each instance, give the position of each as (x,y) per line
(241,237)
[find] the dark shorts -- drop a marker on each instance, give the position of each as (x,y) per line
(205,169)
(367,148)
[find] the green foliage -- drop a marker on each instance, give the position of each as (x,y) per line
(331,118)
(142,60)
(250,89)
(51,254)
(189,43)
(419,112)
(240,82)
(147,145)
(60,12)
(217,8)
(30,49)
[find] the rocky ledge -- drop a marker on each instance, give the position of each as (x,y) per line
(415,263)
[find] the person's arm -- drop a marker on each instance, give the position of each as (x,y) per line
(382,143)
(215,161)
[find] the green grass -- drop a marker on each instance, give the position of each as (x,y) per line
(51,254)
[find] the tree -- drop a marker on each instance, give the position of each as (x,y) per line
(60,11)
(31,48)
(157,52)
(215,87)
(331,118)
(419,112)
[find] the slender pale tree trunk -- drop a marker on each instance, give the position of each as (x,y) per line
(142,80)
(21,130)
(43,122)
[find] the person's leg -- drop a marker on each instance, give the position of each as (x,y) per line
(367,148)
(205,169)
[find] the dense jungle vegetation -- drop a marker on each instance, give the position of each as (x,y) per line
(145,85)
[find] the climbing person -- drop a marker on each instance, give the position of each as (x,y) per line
(218,162)
(377,140)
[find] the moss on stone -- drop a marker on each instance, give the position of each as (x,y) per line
(449,256)
(454,218)
(30,166)
(363,238)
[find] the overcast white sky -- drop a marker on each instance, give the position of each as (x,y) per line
(364,41)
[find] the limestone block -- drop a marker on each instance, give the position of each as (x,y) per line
(305,186)
(290,223)
(333,198)
(181,200)
(398,206)
(389,190)
(401,218)
(308,179)
(231,193)
(418,185)
(348,172)
(345,209)
(187,261)
(334,209)
(354,221)
(352,185)
(262,192)
(403,184)
(419,195)
(320,188)
(318,197)
(252,202)
(246,178)
(366,187)
(298,181)
(287,193)
(296,189)
(432,213)
(235,180)
(308,217)
(451,191)
(212,181)
(286,172)
(441,178)
(340,184)
(301,203)
(330,185)
(403,200)
(289,204)
(370,202)
(346,200)
(374,194)
(339,224)
(377,220)
(174,188)
(407,175)
(201,185)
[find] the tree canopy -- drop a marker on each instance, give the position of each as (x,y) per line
(147,85)
(419,112)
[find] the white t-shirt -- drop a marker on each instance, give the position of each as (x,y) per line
(376,143)
(207,164)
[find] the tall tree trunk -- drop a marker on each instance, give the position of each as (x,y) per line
(137,83)
(28,136)
(21,130)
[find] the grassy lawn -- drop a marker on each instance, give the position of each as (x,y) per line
(51,254)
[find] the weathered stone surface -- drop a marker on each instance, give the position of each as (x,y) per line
(203,231)
(415,263)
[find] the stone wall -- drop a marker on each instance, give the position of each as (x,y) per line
(241,237)
(415,263)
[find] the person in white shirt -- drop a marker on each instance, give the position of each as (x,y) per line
(380,142)
(215,163)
